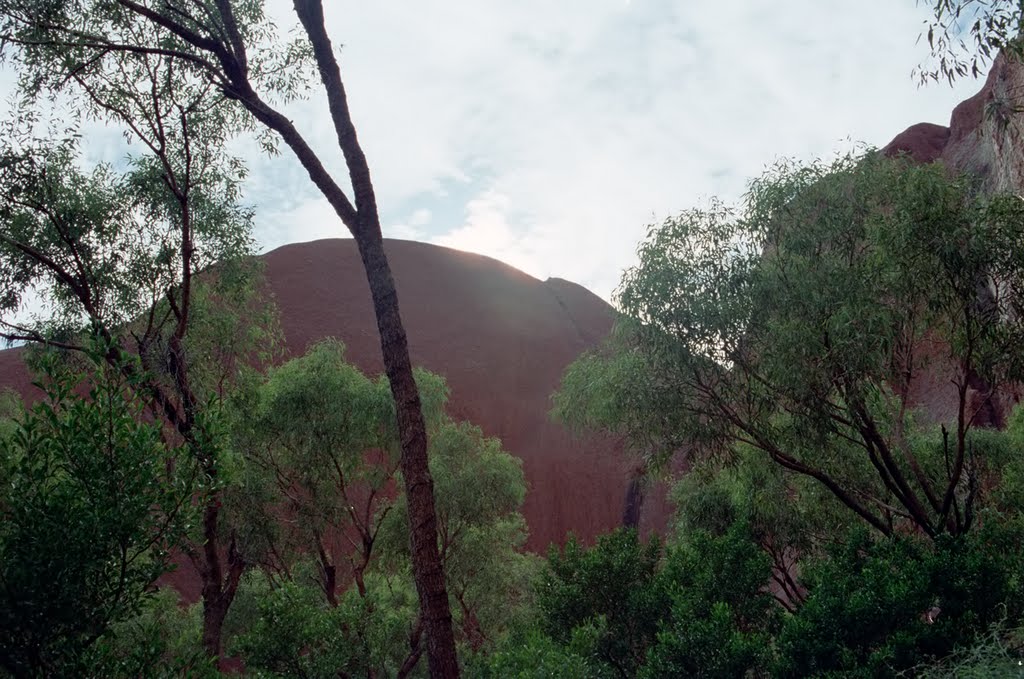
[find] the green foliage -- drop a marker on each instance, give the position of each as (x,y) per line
(277,64)
(721,620)
(1008,493)
(233,327)
(104,244)
(479,489)
(998,654)
(749,488)
(531,656)
(317,440)
(630,609)
(92,501)
(10,408)
(295,633)
(611,587)
(872,607)
(306,435)
(162,642)
(793,327)
(317,443)
(988,26)
(869,602)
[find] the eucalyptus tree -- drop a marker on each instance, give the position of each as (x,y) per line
(965,36)
(230,47)
(368,625)
(119,250)
(801,327)
(320,449)
(481,532)
(92,500)
(321,445)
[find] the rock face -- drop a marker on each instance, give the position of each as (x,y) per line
(985,139)
(923,142)
(502,340)
(985,136)
(14,376)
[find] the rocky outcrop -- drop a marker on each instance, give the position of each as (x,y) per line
(924,142)
(987,131)
(502,340)
(500,337)
(985,136)
(984,139)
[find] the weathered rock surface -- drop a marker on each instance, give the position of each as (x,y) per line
(985,139)
(924,142)
(985,135)
(502,340)
(987,131)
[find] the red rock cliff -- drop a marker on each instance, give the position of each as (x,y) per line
(502,340)
(500,337)
(985,138)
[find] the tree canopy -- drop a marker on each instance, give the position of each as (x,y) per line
(92,501)
(798,326)
(212,69)
(317,505)
(965,36)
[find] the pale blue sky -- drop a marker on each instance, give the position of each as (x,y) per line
(549,134)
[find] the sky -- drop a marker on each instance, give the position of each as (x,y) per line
(549,135)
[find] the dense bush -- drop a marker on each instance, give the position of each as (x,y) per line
(608,590)
(720,620)
(878,606)
(532,655)
(694,609)
(91,502)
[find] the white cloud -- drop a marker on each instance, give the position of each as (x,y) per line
(313,219)
(550,134)
(420,217)
(487,230)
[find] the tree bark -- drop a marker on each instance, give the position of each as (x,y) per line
(428,571)
(227,68)
(218,591)
(215,609)
(435,612)
(634,502)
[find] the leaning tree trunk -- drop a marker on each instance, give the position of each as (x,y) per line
(222,54)
(364,223)
(419,487)
(219,588)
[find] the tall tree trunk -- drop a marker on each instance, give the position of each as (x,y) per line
(363,221)
(218,588)
(435,612)
(634,503)
(215,609)
(223,55)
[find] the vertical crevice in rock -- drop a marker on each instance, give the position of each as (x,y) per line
(634,500)
(583,336)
